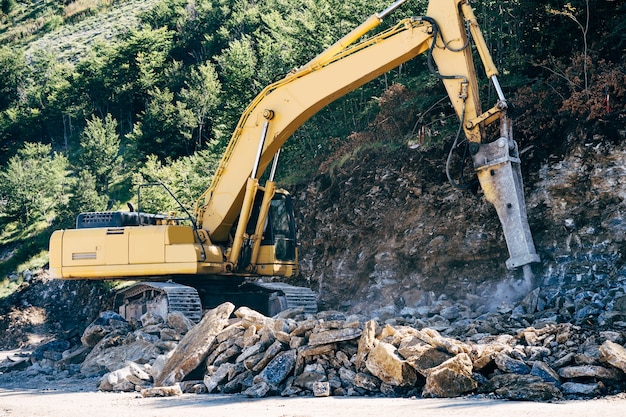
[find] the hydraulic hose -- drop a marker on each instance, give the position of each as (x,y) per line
(433,70)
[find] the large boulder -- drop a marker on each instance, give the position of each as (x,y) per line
(614,354)
(450,379)
(107,322)
(194,347)
(278,368)
(384,363)
(113,352)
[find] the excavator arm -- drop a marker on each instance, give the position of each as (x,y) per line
(447,34)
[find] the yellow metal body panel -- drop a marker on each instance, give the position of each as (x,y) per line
(146,244)
(86,247)
(116,245)
(56,249)
(128,252)
(268,265)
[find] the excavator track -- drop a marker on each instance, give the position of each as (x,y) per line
(266,298)
(162,298)
(294,296)
(159,298)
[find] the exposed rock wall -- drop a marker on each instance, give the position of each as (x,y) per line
(386,232)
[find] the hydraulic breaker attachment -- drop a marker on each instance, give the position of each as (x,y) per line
(498,168)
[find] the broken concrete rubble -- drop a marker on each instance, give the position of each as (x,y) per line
(334,354)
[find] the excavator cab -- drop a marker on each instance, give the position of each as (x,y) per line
(278,241)
(280,230)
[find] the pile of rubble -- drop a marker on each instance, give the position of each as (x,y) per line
(332,353)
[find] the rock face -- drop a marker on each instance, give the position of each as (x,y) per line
(433,241)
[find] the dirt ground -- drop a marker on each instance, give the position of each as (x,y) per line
(40,396)
(62,403)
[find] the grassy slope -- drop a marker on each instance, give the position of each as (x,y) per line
(68,33)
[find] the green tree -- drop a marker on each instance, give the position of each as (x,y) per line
(7,5)
(165,128)
(187,178)
(118,78)
(32,184)
(13,75)
(100,151)
(238,66)
(49,96)
(202,93)
(82,197)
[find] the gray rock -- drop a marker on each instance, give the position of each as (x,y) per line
(534,391)
(450,379)
(170,391)
(521,387)
(273,350)
(308,379)
(367,382)
(251,317)
(14,363)
(107,322)
(507,364)
(279,368)
(347,377)
(577,388)
(366,344)
(249,351)
(215,377)
(306,352)
(385,364)
(104,359)
(231,352)
(332,336)
(239,383)
(422,357)
(52,350)
(193,348)
(543,371)
(258,390)
(590,371)
(151,319)
(193,387)
(614,355)
(128,378)
(321,389)
(179,322)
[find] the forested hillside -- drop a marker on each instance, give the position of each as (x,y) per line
(97,97)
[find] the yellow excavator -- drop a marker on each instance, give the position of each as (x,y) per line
(243,233)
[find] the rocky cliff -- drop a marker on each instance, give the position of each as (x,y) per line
(386,232)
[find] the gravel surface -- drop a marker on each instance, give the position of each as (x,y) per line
(61,403)
(39,397)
